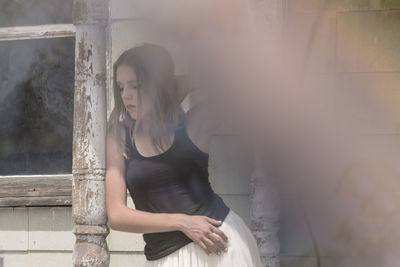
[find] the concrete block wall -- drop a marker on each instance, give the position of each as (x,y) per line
(36,236)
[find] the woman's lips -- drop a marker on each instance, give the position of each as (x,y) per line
(130,106)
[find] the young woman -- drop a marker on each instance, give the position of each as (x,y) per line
(160,154)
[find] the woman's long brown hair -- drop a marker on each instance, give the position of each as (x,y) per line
(154,70)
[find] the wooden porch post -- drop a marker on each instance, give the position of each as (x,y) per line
(264,196)
(264,211)
(90,18)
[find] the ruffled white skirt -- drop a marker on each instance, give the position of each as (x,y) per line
(242,249)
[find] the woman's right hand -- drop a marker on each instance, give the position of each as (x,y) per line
(202,230)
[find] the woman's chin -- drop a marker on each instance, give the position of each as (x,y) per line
(132,115)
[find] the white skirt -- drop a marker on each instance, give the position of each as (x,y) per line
(242,249)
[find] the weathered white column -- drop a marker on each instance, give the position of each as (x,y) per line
(264,211)
(89,134)
(265,191)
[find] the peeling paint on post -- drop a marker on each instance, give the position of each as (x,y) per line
(89,134)
(264,196)
(264,212)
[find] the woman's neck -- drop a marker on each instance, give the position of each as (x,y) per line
(144,124)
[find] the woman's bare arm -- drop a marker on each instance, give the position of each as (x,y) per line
(121,217)
(203,121)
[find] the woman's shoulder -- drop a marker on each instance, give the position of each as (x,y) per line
(195,123)
(120,129)
(195,117)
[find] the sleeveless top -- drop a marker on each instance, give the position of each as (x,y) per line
(175,181)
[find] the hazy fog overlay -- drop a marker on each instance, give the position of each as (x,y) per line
(328,138)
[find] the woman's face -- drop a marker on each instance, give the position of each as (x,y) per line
(128,87)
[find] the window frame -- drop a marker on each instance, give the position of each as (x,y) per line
(36,190)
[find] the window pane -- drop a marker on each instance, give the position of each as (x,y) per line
(36,106)
(34,12)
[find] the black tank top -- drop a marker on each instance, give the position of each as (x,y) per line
(175,181)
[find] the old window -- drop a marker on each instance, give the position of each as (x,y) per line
(37,46)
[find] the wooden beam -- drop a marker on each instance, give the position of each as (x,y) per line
(36,186)
(37,32)
(36,190)
(35,201)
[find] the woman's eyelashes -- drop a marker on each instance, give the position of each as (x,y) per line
(132,86)
(120,87)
